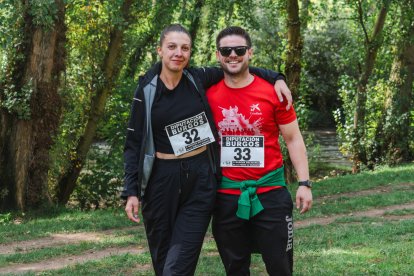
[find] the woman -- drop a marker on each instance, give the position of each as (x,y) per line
(171,158)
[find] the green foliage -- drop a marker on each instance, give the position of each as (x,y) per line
(89,24)
(7,16)
(381,90)
(43,13)
(329,52)
(344,116)
(5,218)
(101,180)
(268,36)
(13,98)
(18,100)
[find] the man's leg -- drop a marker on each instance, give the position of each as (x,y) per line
(273,231)
(232,236)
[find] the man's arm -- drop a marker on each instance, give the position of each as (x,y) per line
(297,152)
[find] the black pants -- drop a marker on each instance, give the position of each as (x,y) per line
(177,209)
(269,233)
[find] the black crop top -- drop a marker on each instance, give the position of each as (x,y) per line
(171,106)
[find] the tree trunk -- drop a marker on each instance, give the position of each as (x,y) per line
(27,131)
(372,46)
(229,13)
(294,48)
(397,138)
(110,70)
(304,14)
(195,21)
(212,23)
(293,64)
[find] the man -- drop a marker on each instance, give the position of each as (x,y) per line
(253,210)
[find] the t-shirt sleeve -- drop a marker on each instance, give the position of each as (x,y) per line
(283,116)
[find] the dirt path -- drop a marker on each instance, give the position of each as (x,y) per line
(61,262)
(58,263)
(74,238)
(378,212)
(374,191)
(57,239)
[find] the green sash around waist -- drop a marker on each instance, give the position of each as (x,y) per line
(249,204)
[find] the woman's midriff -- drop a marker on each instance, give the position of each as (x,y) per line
(161,155)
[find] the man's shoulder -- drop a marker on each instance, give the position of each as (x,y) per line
(216,87)
(262,82)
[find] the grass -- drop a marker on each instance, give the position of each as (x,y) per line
(400,212)
(368,248)
(119,239)
(126,264)
(349,246)
(36,225)
(346,205)
(365,180)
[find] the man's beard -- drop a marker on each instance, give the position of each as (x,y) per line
(239,72)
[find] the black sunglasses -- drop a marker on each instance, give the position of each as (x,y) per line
(239,50)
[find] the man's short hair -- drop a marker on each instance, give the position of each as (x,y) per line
(234,30)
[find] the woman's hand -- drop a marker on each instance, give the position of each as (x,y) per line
(131,208)
(281,88)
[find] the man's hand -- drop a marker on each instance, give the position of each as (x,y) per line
(131,208)
(303,199)
(281,88)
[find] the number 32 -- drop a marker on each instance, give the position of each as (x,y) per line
(188,137)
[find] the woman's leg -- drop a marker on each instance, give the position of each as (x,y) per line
(198,189)
(159,209)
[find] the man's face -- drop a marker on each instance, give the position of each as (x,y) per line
(175,51)
(234,64)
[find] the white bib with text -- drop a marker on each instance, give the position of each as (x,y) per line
(190,134)
(242,151)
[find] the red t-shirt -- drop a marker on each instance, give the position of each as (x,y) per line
(253,110)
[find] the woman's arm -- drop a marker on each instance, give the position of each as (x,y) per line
(212,75)
(132,146)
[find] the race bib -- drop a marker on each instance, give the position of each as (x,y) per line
(189,134)
(242,151)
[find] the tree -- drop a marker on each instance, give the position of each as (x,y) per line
(397,137)
(30,102)
(293,62)
(372,44)
(109,69)
(194,17)
(294,48)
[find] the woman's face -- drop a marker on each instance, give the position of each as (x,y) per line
(175,51)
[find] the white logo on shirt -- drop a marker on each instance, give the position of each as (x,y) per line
(254,107)
(255,110)
(235,123)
